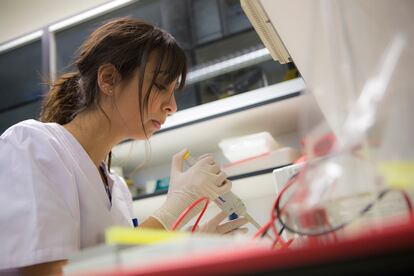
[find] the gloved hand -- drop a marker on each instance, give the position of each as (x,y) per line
(203,179)
(231,227)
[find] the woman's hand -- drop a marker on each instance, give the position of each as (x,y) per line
(231,227)
(203,179)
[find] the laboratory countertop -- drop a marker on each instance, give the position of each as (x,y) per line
(386,252)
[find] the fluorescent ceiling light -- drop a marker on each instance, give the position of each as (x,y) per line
(228,65)
(88,14)
(20,41)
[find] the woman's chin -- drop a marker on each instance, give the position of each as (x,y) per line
(144,135)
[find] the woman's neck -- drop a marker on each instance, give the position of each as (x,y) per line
(93,132)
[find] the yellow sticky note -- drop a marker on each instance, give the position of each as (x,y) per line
(134,236)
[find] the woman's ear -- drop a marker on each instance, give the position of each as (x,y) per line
(107,77)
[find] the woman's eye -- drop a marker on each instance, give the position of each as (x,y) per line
(159,86)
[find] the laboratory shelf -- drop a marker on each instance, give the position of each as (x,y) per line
(232,178)
(234,104)
(274,109)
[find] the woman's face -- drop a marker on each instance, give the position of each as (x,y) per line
(161,103)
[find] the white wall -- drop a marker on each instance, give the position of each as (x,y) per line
(23,16)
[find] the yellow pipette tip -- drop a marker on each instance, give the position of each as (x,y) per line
(186,155)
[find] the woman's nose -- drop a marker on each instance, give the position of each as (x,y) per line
(171,107)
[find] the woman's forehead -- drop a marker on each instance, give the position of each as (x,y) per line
(152,64)
(167,72)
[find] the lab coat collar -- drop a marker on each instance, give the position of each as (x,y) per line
(86,166)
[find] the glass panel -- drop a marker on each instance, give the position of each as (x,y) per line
(9,118)
(187,98)
(235,19)
(69,40)
(243,80)
(206,20)
(209,32)
(226,48)
(20,75)
(22,84)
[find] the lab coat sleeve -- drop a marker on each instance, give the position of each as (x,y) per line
(39,220)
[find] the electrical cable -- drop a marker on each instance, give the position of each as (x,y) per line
(263,230)
(199,217)
(325,149)
(189,208)
(276,213)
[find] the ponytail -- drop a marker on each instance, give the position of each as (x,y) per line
(63,101)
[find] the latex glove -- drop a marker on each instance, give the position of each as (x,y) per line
(203,179)
(231,227)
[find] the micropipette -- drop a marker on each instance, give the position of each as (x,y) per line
(228,202)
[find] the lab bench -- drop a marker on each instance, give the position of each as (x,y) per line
(388,252)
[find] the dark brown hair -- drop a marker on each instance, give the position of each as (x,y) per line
(125,43)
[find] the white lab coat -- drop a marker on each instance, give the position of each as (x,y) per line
(52,199)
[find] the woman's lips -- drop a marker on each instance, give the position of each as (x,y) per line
(156,124)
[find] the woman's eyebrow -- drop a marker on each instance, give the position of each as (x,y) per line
(162,72)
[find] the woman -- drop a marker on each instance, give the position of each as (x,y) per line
(58,195)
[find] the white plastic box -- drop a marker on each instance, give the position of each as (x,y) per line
(244,147)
